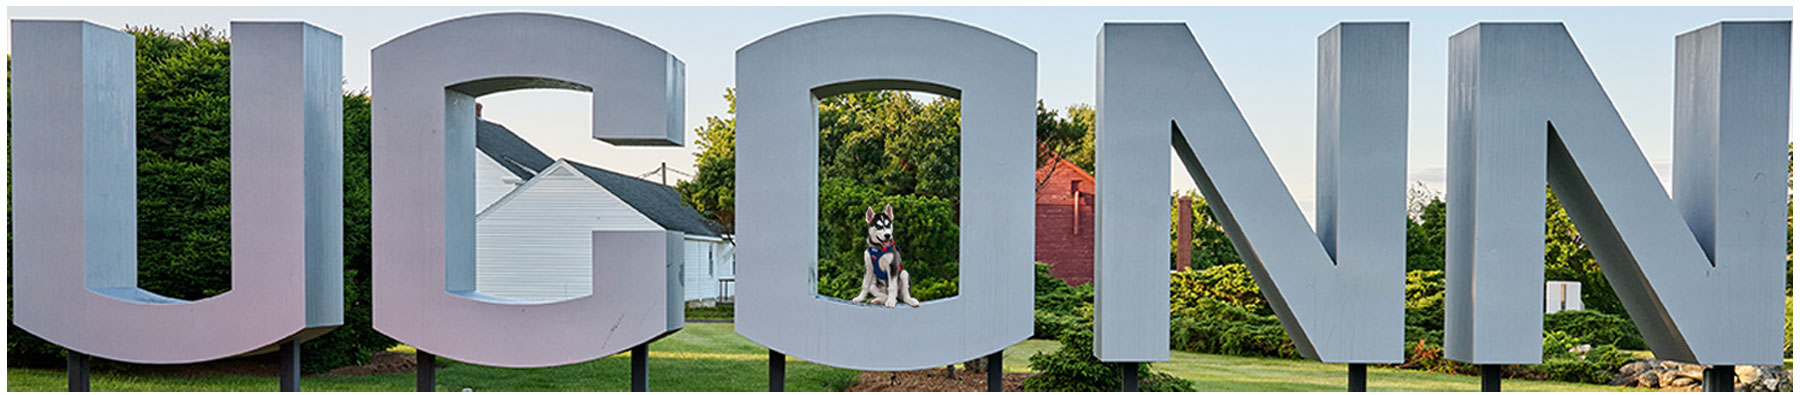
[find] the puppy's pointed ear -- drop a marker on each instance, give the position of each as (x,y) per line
(869,216)
(889,209)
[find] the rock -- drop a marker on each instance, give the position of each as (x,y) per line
(1667,365)
(1764,379)
(1631,369)
(977,365)
(1668,377)
(1691,371)
(1684,382)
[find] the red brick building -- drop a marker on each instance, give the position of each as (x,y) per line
(1065,221)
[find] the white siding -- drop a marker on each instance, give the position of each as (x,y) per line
(707,262)
(536,243)
(491,181)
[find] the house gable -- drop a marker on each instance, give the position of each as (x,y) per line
(492,181)
(536,243)
(1065,221)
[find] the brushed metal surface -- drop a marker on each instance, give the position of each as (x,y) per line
(780,78)
(1526,109)
(423,165)
(75,200)
(1338,292)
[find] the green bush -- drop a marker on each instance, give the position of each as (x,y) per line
(1596,366)
(926,227)
(1220,310)
(1229,283)
(1058,305)
(1597,328)
(1073,368)
(1213,327)
(1424,308)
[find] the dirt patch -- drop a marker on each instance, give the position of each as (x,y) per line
(265,365)
(933,380)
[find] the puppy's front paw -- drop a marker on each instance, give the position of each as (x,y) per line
(891,302)
(912,302)
(858,299)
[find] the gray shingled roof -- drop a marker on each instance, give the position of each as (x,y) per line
(513,153)
(657,201)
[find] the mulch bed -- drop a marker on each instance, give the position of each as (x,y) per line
(933,380)
(382,362)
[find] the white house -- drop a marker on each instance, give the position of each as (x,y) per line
(1562,295)
(533,230)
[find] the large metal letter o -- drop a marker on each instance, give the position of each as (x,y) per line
(780,78)
(75,205)
(424,155)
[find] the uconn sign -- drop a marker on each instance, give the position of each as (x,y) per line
(1698,267)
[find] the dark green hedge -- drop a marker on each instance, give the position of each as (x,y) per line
(1073,368)
(1059,306)
(1597,328)
(926,227)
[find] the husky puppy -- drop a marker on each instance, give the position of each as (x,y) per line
(883,276)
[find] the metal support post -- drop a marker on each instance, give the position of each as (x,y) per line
(994,376)
(777,371)
(1490,378)
(1719,378)
(1130,382)
(1359,378)
(290,366)
(427,372)
(640,368)
(78,371)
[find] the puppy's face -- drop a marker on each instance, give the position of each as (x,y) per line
(881,225)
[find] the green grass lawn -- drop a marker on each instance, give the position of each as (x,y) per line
(711,357)
(702,357)
(1216,373)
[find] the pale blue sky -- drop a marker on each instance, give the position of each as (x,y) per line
(1266,56)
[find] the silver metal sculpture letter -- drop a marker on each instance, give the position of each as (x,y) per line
(424,191)
(1701,274)
(780,78)
(75,209)
(1338,292)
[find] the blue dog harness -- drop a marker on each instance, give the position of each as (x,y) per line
(875,254)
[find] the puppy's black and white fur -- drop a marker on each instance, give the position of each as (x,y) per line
(884,276)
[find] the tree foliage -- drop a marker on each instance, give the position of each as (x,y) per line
(1070,136)
(892,141)
(713,189)
(1425,229)
(1566,258)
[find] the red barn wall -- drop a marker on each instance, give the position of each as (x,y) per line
(1065,221)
